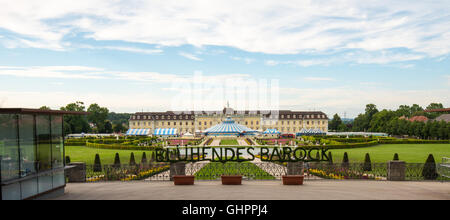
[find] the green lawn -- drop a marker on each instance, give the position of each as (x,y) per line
(411,153)
(215,170)
(229,142)
(86,154)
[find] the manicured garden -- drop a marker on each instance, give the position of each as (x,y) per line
(232,142)
(87,154)
(215,170)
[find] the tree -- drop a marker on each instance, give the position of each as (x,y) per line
(432,106)
(380,120)
(144,159)
(345,161)
(361,123)
(119,128)
(116,161)
(45,108)
(416,110)
(396,156)
(371,109)
(108,127)
(429,169)
(98,116)
(367,163)
(335,123)
(97,164)
(75,123)
(132,160)
(404,110)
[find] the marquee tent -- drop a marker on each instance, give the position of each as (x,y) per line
(307,132)
(188,134)
(271,131)
(138,132)
(229,127)
(165,131)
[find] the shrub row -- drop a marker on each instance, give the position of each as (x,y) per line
(120,146)
(75,143)
(413,141)
(343,146)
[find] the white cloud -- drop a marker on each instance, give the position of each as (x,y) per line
(189,56)
(244,59)
(359,57)
(126,49)
(273,27)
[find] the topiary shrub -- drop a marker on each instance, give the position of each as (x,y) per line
(97,164)
(345,161)
(116,161)
(152,158)
(429,169)
(132,160)
(396,157)
(67,159)
(367,163)
(144,159)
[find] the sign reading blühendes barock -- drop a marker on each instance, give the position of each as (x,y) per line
(279,154)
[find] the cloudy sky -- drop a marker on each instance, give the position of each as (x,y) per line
(333,56)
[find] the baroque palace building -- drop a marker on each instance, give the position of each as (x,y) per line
(285,121)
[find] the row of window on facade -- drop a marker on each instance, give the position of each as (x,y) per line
(211,123)
(30,145)
(186,117)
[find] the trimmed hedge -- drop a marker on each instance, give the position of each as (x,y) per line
(120,146)
(413,141)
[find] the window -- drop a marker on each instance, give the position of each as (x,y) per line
(27,145)
(44,154)
(9,149)
(57,142)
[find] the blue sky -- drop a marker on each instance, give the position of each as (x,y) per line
(147,55)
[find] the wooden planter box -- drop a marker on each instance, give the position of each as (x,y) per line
(293,180)
(183,180)
(232,180)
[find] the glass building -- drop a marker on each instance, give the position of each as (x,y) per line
(31,153)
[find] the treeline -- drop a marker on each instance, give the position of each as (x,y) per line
(99,119)
(396,123)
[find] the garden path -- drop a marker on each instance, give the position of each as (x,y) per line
(242,142)
(215,142)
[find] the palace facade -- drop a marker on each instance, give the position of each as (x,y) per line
(285,121)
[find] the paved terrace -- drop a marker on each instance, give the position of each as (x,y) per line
(258,190)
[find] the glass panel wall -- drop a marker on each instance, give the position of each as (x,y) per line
(9,149)
(44,154)
(57,142)
(27,145)
(30,145)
